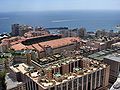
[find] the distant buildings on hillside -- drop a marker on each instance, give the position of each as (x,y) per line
(72,59)
(27,31)
(73,32)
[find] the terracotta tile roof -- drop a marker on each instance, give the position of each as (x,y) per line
(37,47)
(59,42)
(18,46)
(30,47)
(53,44)
(16,42)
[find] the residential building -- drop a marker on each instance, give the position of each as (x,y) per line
(23,56)
(15,29)
(24,28)
(20,30)
(74,32)
(114,61)
(36,33)
(81,32)
(101,54)
(63,74)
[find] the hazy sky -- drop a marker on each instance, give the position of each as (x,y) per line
(46,5)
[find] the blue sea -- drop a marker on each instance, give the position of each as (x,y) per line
(91,20)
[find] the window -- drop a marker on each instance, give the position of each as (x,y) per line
(64,86)
(97,79)
(93,81)
(84,82)
(89,82)
(59,87)
(75,83)
(70,85)
(80,84)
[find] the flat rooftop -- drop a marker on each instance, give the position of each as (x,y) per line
(20,68)
(114,57)
(45,83)
(44,62)
(101,54)
(55,61)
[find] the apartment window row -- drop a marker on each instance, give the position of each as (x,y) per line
(88,82)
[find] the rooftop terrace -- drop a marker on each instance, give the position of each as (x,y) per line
(55,61)
(40,78)
(48,60)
